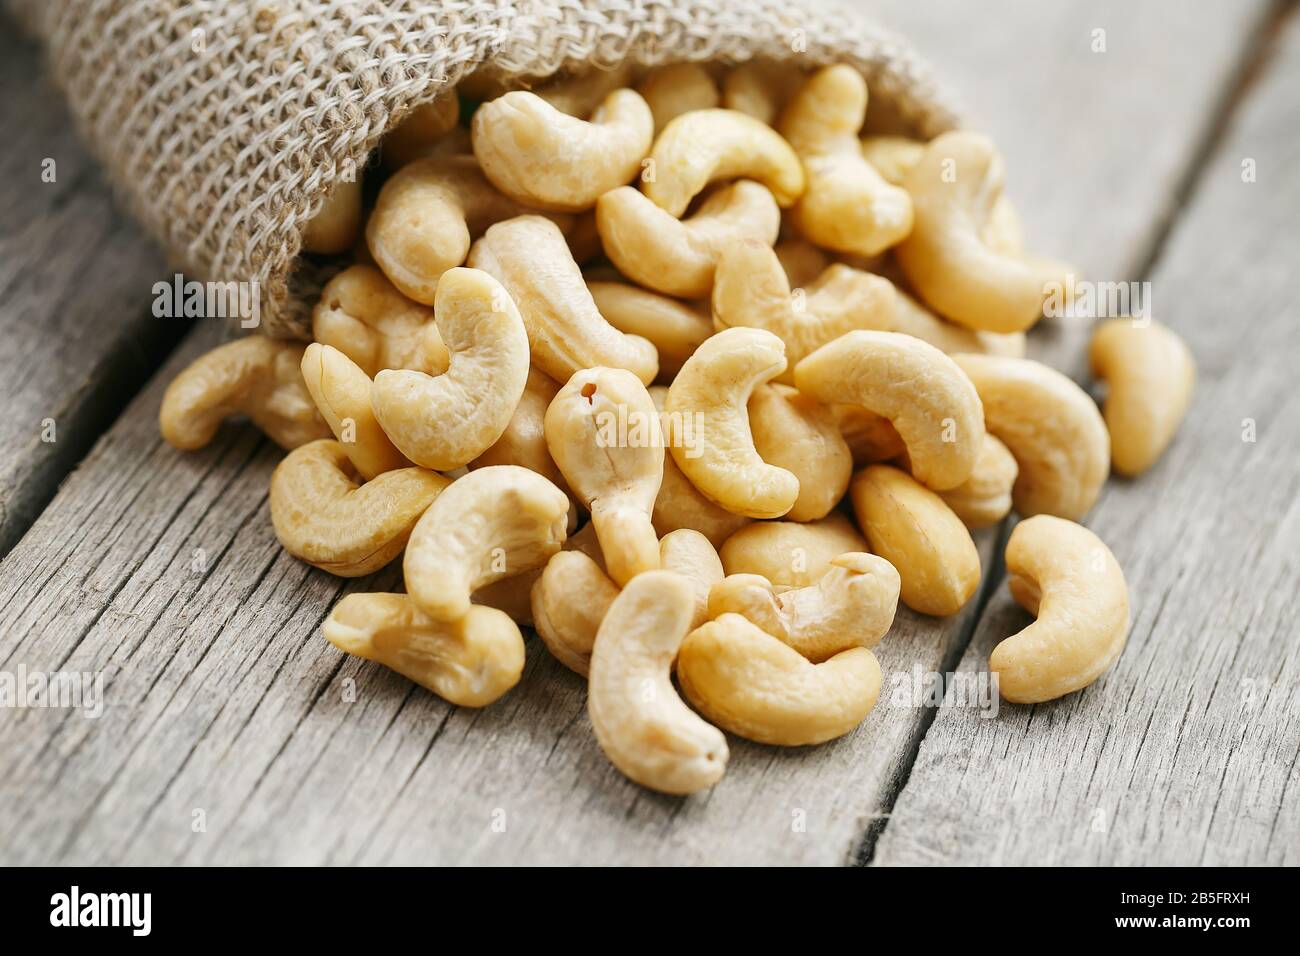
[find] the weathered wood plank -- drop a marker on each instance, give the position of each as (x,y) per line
(75,277)
(1188,751)
(224,698)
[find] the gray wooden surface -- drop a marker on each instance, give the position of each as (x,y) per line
(226,706)
(74,276)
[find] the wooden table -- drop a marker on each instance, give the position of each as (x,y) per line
(233,733)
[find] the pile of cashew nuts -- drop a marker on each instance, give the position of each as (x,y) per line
(685,373)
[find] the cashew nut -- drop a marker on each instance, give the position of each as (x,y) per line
(675,328)
(335,227)
(715,385)
(924,394)
(802,261)
(362,314)
(1065,576)
(847,206)
(603,431)
(524,440)
(1149,374)
(640,722)
(679,503)
(704,146)
(752,684)
(448,420)
(910,526)
(852,605)
(322,516)
(579,94)
(253,376)
(678,257)
(869,436)
(946,258)
(895,156)
(547,159)
(912,318)
(566,332)
(985,497)
(1052,428)
(793,432)
(759,89)
(424,219)
(750,289)
(342,393)
(423,127)
(679,88)
(470,662)
(790,554)
(574,593)
(490,524)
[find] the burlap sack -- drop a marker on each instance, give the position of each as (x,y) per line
(224,124)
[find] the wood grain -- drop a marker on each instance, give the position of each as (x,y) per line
(226,706)
(75,277)
(1188,750)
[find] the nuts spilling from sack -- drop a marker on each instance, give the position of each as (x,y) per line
(687,374)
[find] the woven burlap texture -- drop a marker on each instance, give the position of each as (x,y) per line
(225,124)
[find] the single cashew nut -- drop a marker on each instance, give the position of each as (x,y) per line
(852,605)
(362,314)
(603,431)
(322,516)
(579,94)
(342,393)
(676,328)
(1052,428)
(790,554)
(470,662)
(546,159)
(753,685)
(679,88)
(566,332)
(912,318)
(489,524)
(338,223)
(802,261)
(750,289)
(424,219)
(870,437)
(794,432)
(893,157)
(924,394)
(896,156)
(759,89)
(1065,576)
(678,257)
(574,593)
(524,440)
(909,525)
(985,497)
(716,383)
(847,206)
(422,129)
(446,421)
(680,504)
(946,258)
(253,376)
(640,722)
(704,146)
(1149,373)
